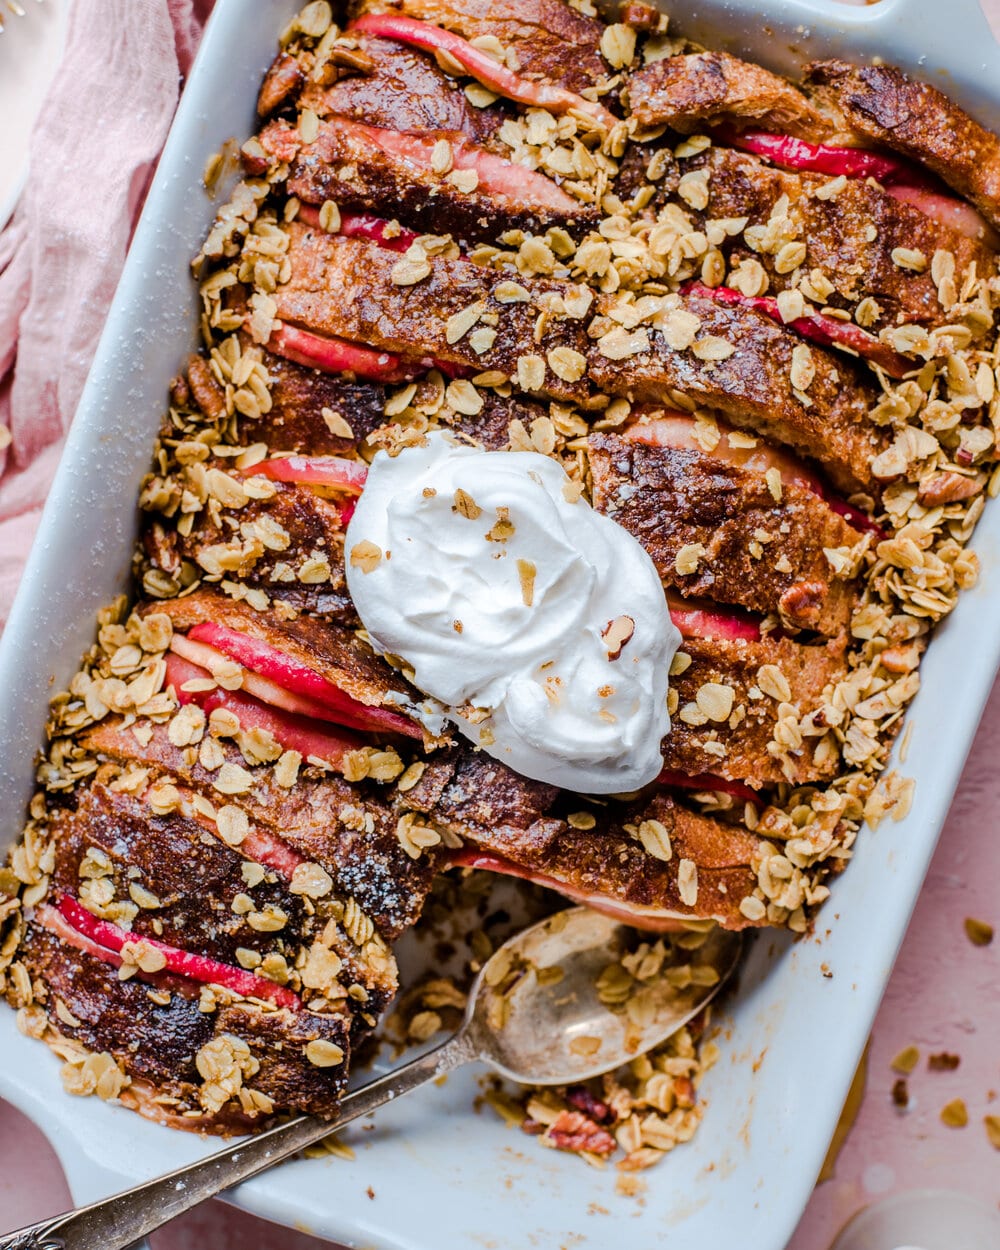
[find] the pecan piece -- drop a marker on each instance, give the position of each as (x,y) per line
(571,1130)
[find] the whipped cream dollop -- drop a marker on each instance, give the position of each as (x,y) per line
(539,625)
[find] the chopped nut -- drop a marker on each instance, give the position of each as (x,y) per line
(466,506)
(617,634)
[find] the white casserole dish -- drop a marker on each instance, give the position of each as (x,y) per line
(444,1176)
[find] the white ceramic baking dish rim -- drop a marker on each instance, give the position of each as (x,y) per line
(442,1176)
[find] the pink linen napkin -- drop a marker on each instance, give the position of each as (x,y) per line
(93,151)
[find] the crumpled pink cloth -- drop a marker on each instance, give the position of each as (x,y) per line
(93,151)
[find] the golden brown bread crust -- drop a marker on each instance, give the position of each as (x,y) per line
(743,747)
(362,173)
(343,288)
(669,498)
(753,388)
(195,879)
(850,236)
(296,421)
(688,93)
(156,1042)
(313,817)
(313,528)
(887,106)
(331,650)
(551,40)
(502,814)
(404,90)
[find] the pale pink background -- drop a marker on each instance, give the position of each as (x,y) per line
(943,995)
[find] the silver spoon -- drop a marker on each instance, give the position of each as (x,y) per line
(522,1026)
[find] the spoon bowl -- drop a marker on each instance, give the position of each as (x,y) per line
(555,1004)
(571,997)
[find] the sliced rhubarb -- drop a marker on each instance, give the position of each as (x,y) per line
(827,331)
(709,781)
(678,430)
(194,967)
(378,230)
(293,732)
(334,471)
(825,158)
(701,622)
(332,355)
(480,66)
(497,177)
(322,697)
(654,919)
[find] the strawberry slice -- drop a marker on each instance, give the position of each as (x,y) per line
(332,355)
(827,331)
(709,781)
(109,939)
(291,731)
(656,920)
(480,66)
(364,226)
(272,674)
(348,476)
(677,430)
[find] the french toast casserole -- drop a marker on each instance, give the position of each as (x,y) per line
(748,325)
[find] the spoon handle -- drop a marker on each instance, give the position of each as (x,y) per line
(119,1221)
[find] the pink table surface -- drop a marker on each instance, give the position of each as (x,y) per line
(944,995)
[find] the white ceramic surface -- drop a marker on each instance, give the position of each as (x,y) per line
(442,1175)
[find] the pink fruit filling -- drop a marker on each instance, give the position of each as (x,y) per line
(332,355)
(108,939)
(949,211)
(480,66)
(364,226)
(695,621)
(285,682)
(709,781)
(677,430)
(827,331)
(825,158)
(333,471)
(901,179)
(656,920)
(496,176)
(291,731)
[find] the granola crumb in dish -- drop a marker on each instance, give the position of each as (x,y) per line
(724,316)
